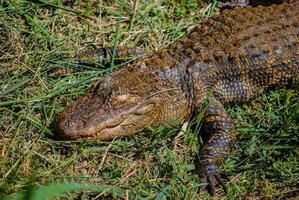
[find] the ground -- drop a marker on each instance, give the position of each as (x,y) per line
(37,41)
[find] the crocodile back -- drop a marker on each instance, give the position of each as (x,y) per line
(245,51)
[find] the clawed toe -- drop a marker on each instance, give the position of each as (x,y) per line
(211,174)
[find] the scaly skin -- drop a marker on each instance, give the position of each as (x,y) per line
(231,58)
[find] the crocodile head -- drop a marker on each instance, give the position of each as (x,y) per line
(119,104)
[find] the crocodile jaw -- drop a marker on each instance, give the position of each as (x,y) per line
(101,124)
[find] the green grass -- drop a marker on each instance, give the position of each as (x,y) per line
(155,164)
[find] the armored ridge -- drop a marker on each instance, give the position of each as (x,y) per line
(230,58)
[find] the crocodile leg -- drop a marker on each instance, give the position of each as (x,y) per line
(221,130)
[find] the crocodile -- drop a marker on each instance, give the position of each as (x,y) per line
(230,58)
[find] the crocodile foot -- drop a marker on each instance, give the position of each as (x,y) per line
(210,173)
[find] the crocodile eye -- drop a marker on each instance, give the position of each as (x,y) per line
(123,98)
(144,110)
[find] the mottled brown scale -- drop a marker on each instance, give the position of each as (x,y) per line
(231,58)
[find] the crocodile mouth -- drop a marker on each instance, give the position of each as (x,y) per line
(133,123)
(109,126)
(111,132)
